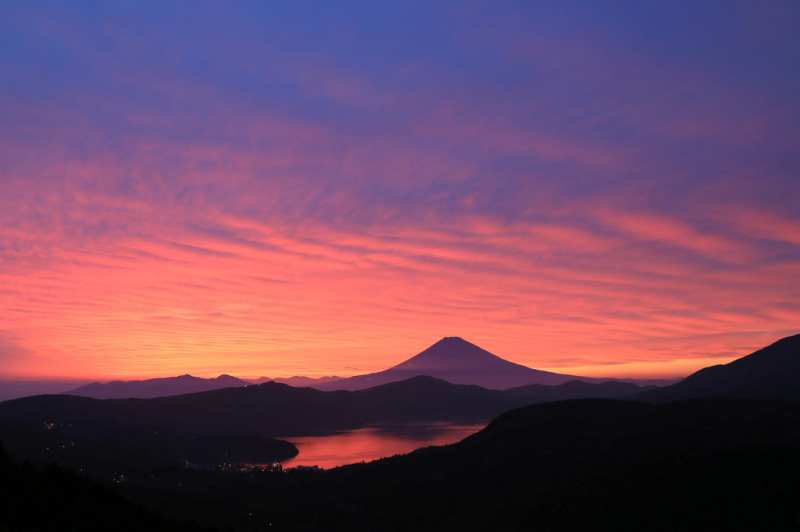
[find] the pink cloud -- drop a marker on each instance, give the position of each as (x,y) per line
(168,291)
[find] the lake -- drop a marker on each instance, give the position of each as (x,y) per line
(373,442)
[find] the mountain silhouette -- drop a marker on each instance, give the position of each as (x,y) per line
(772,372)
(298,381)
(151,388)
(459,362)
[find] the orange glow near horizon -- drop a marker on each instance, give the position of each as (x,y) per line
(259,303)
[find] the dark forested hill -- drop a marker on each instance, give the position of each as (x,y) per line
(229,425)
(771,372)
(268,409)
(542,393)
(428,399)
(57,499)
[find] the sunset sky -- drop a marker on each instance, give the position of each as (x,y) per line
(318,188)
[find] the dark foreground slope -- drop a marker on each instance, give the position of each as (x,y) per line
(56,499)
(707,464)
(771,372)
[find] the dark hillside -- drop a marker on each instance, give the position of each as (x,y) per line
(429,399)
(269,409)
(771,372)
(574,465)
(542,393)
(106,437)
(57,499)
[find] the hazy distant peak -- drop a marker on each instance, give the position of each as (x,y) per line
(450,351)
(457,344)
(457,361)
(158,387)
(453,340)
(299,381)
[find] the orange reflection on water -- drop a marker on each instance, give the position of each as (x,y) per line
(374,442)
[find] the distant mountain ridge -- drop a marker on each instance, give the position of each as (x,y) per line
(181,385)
(771,372)
(452,359)
(298,381)
(457,361)
(152,388)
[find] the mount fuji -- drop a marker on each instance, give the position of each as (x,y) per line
(457,361)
